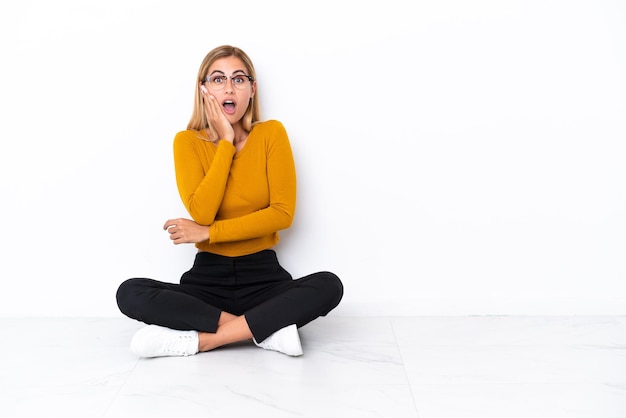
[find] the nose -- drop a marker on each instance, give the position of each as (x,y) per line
(229,87)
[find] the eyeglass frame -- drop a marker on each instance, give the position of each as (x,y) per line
(206,79)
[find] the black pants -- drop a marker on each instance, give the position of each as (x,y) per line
(255,285)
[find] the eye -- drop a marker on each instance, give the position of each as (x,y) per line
(238,79)
(216,79)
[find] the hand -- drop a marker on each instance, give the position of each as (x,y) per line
(217,118)
(186,231)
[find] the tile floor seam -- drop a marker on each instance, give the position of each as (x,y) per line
(119,390)
(406,373)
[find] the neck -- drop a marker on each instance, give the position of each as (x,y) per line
(240,135)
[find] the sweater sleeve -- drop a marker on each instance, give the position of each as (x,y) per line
(281,178)
(201,188)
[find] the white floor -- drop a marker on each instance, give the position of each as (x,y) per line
(426,367)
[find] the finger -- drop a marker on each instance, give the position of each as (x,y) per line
(216,109)
(172,222)
(212,108)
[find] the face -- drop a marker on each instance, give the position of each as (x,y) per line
(230,87)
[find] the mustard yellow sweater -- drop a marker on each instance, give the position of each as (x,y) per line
(245,198)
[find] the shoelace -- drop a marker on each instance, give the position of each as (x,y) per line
(178,345)
(269,343)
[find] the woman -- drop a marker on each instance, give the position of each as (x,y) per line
(237,179)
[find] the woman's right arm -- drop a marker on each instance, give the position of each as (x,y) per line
(201,189)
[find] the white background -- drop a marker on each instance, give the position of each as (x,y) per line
(454,157)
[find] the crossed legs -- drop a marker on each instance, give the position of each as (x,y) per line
(230,329)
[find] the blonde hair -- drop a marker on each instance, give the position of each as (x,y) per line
(199,119)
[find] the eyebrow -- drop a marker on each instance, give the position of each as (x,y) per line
(222,72)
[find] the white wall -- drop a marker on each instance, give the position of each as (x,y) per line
(454,157)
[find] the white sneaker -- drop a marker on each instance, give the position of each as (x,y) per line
(157,341)
(285,340)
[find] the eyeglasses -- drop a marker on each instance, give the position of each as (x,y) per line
(218,81)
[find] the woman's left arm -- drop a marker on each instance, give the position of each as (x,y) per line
(278,215)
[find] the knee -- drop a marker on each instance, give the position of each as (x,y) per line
(333,287)
(125,296)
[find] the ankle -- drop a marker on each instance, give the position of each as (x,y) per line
(206,341)
(226,317)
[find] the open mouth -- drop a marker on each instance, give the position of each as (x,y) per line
(229,106)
